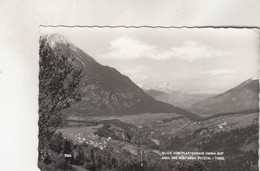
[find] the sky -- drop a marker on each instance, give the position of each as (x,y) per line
(190,59)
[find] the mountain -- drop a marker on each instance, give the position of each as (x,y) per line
(167,88)
(100,90)
(166,92)
(241,98)
(160,96)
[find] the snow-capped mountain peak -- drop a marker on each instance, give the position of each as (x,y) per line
(166,87)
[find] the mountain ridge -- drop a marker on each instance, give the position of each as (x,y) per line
(242,97)
(104,90)
(166,92)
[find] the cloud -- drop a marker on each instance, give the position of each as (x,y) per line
(217,72)
(128,48)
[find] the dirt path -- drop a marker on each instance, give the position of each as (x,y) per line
(79,168)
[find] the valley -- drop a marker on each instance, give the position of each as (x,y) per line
(154,133)
(95,118)
(156,125)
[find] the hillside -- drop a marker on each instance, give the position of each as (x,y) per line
(243,97)
(161,96)
(101,90)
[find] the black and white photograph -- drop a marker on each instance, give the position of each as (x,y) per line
(148,99)
(129,85)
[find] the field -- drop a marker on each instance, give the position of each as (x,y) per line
(150,134)
(152,127)
(138,119)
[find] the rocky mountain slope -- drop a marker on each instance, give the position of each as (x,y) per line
(101,90)
(241,98)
